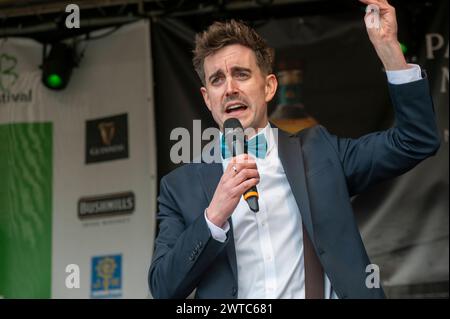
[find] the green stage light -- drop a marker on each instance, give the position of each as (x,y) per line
(57,66)
(54,80)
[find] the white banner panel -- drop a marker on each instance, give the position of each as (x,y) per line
(104,161)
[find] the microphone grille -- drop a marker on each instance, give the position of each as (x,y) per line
(231,124)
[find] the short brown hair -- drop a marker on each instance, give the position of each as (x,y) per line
(221,34)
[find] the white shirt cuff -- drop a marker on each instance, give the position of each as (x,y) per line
(414,73)
(219,234)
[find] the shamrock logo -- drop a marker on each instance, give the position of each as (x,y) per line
(7,75)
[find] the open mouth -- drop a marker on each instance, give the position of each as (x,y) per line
(235,108)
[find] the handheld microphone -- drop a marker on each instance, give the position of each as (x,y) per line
(234,138)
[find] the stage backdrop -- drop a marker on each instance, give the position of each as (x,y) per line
(336,79)
(77,171)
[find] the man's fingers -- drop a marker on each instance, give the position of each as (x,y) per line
(377,2)
(239,163)
(241,166)
(382,5)
(241,188)
(372,20)
(240,158)
(243,158)
(244,175)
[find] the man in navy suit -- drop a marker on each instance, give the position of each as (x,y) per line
(304,241)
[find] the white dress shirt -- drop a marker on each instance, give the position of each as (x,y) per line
(269,244)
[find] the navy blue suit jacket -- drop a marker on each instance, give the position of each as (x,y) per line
(323,171)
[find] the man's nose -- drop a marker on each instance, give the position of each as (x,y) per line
(231,87)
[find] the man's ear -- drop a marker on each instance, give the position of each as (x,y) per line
(271,87)
(206,97)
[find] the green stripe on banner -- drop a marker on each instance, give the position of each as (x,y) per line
(25,210)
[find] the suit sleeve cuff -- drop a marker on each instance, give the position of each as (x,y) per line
(414,73)
(219,234)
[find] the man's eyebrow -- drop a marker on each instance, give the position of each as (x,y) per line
(240,69)
(218,72)
(233,69)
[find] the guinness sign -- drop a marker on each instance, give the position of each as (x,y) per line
(107,139)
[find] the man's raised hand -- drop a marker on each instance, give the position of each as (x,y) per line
(384,37)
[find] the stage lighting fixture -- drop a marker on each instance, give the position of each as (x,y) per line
(57,66)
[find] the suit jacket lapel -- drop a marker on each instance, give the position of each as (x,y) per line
(210,175)
(291,157)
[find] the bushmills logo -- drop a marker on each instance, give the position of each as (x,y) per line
(106,205)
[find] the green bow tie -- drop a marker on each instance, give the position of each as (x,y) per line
(256,146)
